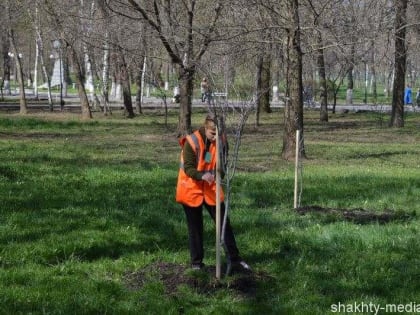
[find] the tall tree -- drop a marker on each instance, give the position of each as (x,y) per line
(17,56)
(33,14)
(351,61)
(5,81)
(185,29)
(317,16)
(263,64)
(293,112)
(105,22)
(68,33)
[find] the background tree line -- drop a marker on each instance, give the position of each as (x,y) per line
(245,47)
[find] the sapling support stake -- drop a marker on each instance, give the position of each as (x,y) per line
(226,166)
(295,203)
(218,214)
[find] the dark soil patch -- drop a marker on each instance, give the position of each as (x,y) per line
(174,275)
(360,216)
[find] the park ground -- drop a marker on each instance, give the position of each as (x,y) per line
(89,224)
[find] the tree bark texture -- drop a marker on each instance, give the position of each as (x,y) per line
(5,83)
(17,60)
(293,113)
(258,85)
(397,114)
(84,102)
(186,85)
(125,80)
(265,83)
(323,96)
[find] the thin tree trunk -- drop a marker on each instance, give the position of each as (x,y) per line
(263,79)
(84,102)
(265,83)
(35,81)
(323,114)
(350,75)
(139,83)
(350,79)
(39,56)
(19,73)
(18,64)
(5,87)
(22,95)
(106,56)
(373,73)
(105,77)
(258,88)
(125,80)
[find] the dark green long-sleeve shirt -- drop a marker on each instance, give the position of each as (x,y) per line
(190,160)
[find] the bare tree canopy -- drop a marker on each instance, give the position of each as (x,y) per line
(295,53)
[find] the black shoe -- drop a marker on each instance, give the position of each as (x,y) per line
(241,266)
(197,266)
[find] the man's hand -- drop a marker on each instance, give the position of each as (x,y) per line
(208,177)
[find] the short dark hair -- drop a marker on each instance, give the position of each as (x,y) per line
(210,117)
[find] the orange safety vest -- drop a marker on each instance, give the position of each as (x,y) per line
(193,192)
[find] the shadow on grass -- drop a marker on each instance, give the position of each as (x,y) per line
(262,192)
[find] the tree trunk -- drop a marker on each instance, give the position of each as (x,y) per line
(106,56)
(5,84)
(350,84)
(22,95)
(323,114)
(18,64)
(186,85)
(125,80)
(128,103)
(139,83)
(373,73)
(40,55)
(259,89)
(19,72)
(293,112)
(105,76)
(84,102)
(397,115)
(265,83)
(35,81)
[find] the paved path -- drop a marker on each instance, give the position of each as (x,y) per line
(72,101)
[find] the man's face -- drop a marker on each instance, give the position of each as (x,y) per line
(211,131)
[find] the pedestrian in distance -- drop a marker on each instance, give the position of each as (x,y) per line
(418,97)
(206,93)
(204,87)
(196,187)
(407,95)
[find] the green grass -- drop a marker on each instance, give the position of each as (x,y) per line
(85,203)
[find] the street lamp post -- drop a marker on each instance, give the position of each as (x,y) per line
(57,46)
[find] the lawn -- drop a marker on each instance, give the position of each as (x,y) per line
(89,225)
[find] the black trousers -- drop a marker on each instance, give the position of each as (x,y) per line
(195,233)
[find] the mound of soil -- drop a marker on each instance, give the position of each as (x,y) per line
(174,275)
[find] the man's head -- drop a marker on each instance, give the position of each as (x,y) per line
(210,127)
